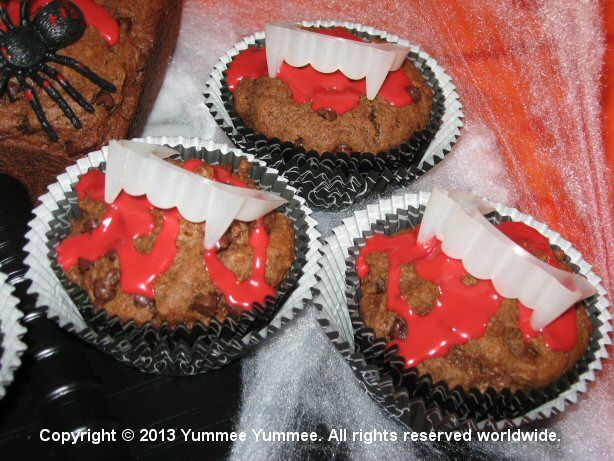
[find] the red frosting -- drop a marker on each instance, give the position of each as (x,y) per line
(243,293)
(130,217)
(324,91)
(126,219)
(461,312)
(94,14)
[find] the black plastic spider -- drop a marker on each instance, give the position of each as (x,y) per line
(25,50)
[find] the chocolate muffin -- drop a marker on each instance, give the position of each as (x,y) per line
(457,328)
(328,112)
(141,263)
(126,43)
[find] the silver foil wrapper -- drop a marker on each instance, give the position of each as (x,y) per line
(11,332)
(163,350)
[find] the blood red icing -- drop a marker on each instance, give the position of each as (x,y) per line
(461,312)
(243,293)
(324,91)
(94,14)
(126,219)
(130,217)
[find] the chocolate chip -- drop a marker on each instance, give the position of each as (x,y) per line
(84,265)
(105,287)
(343,149)
(225,241)
(328,114)
(380,287)
(468,280)
(125,24)
(415,93)
(70,148)
(113,276)
(398,329)
(25,127)
(105,99)
(144,301)
(300,142)
(205,304)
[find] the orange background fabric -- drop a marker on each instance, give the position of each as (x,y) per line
(515,75)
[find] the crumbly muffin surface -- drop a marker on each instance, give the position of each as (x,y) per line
(186,292)
(266,105)
(501,358)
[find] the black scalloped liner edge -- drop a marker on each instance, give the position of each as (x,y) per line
(334,181)
(180,350)
(460,409)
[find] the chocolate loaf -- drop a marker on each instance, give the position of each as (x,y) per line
(135,65)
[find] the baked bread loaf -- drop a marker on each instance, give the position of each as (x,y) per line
(457,328)
(165,275)
(126,43)
(328,112)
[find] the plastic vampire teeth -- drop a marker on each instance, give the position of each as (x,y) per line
(457,220)
(139,169)
(298,47)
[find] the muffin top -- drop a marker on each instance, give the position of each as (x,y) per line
(328,112)
(146,264)
(459,329)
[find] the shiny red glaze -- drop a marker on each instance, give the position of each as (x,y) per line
(255,289)
(94,14)
(461,312)
(130,217)
(324,91)
(126,219)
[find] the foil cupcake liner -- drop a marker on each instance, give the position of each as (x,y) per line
(11,332)
(336,181)
(415,399)
(163,350)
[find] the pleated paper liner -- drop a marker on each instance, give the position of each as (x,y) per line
(11,332)
(165,350)
(414,399)
(334,181)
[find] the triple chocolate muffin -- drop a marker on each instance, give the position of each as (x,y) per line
(459,329)
(328,112)
(141,263)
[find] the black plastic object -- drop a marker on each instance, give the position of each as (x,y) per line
(30,55)
(63,389)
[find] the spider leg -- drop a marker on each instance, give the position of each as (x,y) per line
(82,69)
(57,98)
(5,80)
(24,12)
(4,16)
(66,86)
(6,75)
(32,97)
